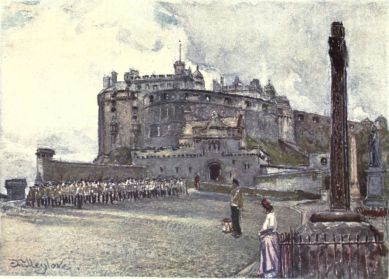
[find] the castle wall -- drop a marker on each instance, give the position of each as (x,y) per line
(165,117)
(52,170)
(243,167)
(311,181)
(101,125)
(312,131)
(261,125)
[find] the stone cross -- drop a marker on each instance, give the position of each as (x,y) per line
(339,190)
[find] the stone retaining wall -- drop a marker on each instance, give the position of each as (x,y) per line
(311,181)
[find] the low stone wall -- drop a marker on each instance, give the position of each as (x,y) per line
(311,181)
(61,171)
(187,165)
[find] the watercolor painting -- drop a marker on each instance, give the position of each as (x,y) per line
(194,138)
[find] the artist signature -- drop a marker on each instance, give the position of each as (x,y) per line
(40,267)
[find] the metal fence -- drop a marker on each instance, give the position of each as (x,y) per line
(331,256)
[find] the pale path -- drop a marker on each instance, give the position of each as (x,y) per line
(168,237)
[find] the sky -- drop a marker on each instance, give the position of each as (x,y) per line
(54,54)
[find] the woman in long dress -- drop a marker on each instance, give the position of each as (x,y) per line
(269,251)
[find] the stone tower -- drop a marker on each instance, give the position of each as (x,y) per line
(43,155)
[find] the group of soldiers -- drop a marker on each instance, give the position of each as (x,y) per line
(98,192)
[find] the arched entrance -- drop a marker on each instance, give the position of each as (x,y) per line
(214,171)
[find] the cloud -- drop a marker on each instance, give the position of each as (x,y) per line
(277,41)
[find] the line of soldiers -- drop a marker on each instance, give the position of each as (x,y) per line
(97,192)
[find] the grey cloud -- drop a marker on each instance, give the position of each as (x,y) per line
(31,2)
(125,36)
(17,19)
(158,45)
(163,17)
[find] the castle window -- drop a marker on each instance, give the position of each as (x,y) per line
(134,117)
(315,119)
(164,112)
(233,162)
(208,98)
(113,102)
(113,109)
(154,131)
(164,96)
(114,128)
(177,169)
(161,169)
(169,85)
(300,117)
(134,96)
(135,109)
(186,96)
(147,86)
(227,101)
(151,99)
(190,169)
(265,107)
(248,104)
(323,161)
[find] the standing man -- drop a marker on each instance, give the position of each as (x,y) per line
(236,203)
(197,182)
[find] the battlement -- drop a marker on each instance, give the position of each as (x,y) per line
(45,153)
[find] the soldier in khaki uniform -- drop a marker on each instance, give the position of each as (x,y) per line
(236,203)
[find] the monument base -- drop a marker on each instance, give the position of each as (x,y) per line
(375,187)
(336,216)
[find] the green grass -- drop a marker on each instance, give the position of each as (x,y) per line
(279,153)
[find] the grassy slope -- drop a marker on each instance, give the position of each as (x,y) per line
(279,153)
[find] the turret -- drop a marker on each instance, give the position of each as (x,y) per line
(381,123)
(198,79)
(130,75)
(43,156)
(106,81)
(114,77)
(45,153)
(179,66)
(270,91)
(255,85)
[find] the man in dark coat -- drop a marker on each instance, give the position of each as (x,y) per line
(236,203)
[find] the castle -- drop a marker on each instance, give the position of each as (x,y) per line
(162,117)
(170,125)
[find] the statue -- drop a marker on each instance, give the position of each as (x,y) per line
(374,154)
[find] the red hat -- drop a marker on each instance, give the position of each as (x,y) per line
(265,202)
